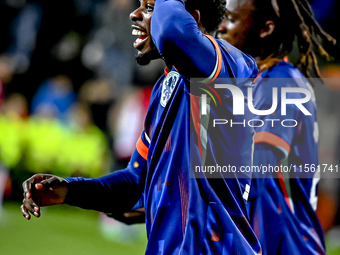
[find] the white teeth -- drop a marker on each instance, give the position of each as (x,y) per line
(137,32)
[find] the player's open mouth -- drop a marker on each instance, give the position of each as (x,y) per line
(141,39)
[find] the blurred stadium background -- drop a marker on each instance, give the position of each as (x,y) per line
(72,103)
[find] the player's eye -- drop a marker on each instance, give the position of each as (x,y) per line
(149,7)
(230,18)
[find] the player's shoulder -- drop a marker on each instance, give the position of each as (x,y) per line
(236,64)
(229,50)
(285,69)
(284,74)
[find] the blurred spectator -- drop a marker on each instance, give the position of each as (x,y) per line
(96,93)
(56,95)
(109,51)
(126,120)
(6,73)
(80,149)
(4,185)
(2,93)
(11,126)
(44,38)
(86,151)
(12,113)
(41,143)
(44,141)
(16,106)
(24,35)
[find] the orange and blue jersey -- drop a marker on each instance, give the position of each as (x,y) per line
(282,205)
(186,213)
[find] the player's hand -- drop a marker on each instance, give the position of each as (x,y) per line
(42,190)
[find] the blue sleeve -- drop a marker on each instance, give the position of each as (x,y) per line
(179,41)
(115,193)
(194,54)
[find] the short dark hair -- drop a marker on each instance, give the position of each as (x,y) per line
(212,12)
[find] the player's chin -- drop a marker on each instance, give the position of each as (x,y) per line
(143,59)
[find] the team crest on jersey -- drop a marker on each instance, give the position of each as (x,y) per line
(168,87)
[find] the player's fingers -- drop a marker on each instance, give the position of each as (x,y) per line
(35,207)
(31,207)
(26,185)
(37,214)
(48,183)
(25,212)
(27,205)
(44,184)
(39,186)
(32,203)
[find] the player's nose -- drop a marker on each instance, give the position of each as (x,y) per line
(136,15)
(222,30)
(223,27)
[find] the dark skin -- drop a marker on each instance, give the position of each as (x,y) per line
(141,27)
(240,29)
(42,190)
(46,190)
(141,17)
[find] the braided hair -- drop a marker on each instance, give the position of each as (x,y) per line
(295,19)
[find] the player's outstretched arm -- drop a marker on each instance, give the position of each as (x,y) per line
(115,193)
(42,190)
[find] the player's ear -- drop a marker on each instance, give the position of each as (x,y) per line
(268,29)
(197,15)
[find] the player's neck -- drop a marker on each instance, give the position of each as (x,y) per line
(168,65)
(268,62)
